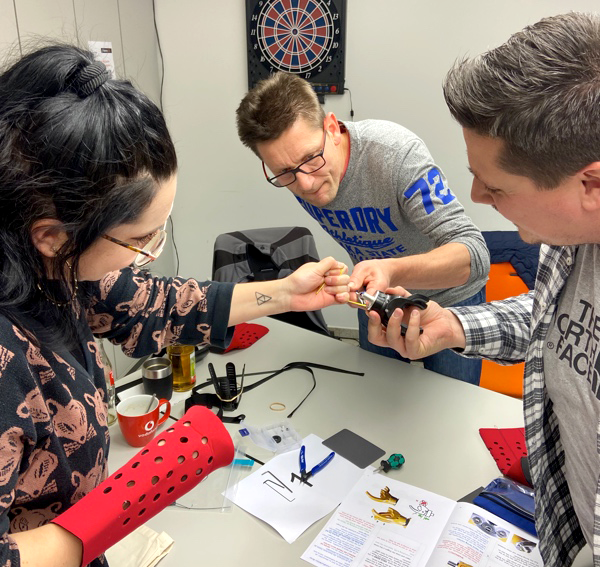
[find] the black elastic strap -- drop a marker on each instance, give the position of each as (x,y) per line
(308,366)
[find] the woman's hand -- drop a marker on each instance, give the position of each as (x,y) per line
(318,284)
(441,329)
(311,287)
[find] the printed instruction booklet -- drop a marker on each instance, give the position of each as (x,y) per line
(387,523)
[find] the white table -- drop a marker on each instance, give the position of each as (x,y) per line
(431,419)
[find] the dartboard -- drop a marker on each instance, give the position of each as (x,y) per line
(305,37)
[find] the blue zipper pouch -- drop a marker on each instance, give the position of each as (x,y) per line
(510,501)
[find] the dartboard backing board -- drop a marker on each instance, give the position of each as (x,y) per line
(304,37)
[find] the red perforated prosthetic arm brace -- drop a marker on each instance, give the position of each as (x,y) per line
(168,467)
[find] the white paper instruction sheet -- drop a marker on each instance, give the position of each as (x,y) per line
(387,523)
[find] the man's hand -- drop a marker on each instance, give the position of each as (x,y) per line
(441,330)
(371,275)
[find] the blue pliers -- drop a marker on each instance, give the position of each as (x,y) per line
(304,476)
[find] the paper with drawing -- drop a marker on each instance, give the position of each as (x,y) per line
(272,494)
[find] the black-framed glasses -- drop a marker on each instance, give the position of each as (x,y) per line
(308,166)
(152,248)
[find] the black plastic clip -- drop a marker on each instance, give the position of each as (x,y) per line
(385,304)
(226,387)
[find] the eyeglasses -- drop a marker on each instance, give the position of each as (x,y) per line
(311,165)
(152,248)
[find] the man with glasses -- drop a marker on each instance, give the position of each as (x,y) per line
(374,187)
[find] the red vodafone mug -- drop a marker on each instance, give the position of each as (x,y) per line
(138,423)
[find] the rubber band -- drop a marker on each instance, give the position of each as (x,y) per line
(234,397)
(277,406)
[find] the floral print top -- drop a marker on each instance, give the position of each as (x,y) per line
(54,438)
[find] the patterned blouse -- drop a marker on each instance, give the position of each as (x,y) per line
(54,438)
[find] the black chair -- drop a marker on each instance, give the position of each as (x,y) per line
(263,254)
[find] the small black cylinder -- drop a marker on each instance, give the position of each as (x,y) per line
(157,376)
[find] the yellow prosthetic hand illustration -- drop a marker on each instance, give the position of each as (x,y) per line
(391,516)
(384,496)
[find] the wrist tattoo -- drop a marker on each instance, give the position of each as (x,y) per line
(262,298)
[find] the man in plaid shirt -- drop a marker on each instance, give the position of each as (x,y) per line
(530,112)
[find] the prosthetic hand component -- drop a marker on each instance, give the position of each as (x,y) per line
(169,466)
(384,496)
(391,516)
(385,304)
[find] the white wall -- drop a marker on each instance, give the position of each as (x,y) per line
(398,53)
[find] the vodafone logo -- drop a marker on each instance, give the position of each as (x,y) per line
(149,426)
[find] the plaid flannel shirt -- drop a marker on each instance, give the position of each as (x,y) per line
(514,330)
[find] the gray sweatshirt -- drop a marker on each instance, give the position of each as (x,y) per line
(394,201)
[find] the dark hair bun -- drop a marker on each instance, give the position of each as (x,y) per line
(89,78)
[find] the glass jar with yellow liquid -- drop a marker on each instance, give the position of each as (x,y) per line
(183,361)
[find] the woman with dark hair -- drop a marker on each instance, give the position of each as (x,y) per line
(87,182)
